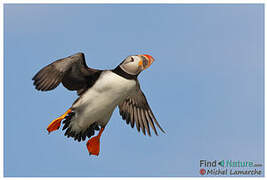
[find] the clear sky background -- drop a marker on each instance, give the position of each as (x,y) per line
(205,86)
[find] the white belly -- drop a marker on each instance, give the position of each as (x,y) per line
(99,102)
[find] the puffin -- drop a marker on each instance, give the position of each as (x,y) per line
(99,93)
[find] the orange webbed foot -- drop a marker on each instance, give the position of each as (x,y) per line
(55,124)
(93,144)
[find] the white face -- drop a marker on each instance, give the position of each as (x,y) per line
(132,65)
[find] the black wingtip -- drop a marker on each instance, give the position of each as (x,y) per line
(162,129)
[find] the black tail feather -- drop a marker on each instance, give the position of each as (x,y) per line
(81,136)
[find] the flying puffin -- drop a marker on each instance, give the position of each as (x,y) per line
(100,92)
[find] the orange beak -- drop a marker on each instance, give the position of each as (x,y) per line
(146,61)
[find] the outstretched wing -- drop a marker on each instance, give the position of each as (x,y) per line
(135,110)
(72,71)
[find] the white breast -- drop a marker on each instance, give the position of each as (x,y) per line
(99,102)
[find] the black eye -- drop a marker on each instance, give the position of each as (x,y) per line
(132,59)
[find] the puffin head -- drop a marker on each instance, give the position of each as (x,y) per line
(135,64)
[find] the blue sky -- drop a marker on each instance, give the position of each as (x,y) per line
(205,86)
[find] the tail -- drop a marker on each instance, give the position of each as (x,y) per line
(81,135)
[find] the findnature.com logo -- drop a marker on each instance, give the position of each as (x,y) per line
(230,168)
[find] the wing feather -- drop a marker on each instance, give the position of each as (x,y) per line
(136,119)
(145,122)
(141,121)
(132,115)
(71,71)
(138,111)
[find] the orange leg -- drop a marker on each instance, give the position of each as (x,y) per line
(55,124)
(93,144)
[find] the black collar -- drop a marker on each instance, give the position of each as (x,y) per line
(124,74)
